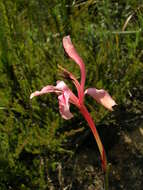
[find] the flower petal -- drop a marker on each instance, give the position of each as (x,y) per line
(61,85)
(44,90)
(102,97)
(64,105)
(64,88)
(59,88)
(71,51)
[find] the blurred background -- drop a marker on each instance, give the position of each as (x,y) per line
(38,149)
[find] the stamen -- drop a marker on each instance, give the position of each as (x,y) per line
(70,76)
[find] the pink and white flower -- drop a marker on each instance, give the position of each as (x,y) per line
(66,96)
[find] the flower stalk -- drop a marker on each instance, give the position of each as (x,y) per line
(91,124)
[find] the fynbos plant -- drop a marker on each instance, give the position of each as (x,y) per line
(66,96)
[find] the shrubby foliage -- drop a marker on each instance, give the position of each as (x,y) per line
(33,137)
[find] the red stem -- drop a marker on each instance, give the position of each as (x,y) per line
(90,122)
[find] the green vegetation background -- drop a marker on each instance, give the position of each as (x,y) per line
(33,137)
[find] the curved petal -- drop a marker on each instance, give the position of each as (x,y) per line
(64,88)
(61,86)
(44,90)
(71,51)
(64,105)
(102,97)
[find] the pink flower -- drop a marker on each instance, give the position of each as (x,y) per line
(66,96)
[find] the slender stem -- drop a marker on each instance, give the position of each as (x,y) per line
(106,177)
(90,122)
